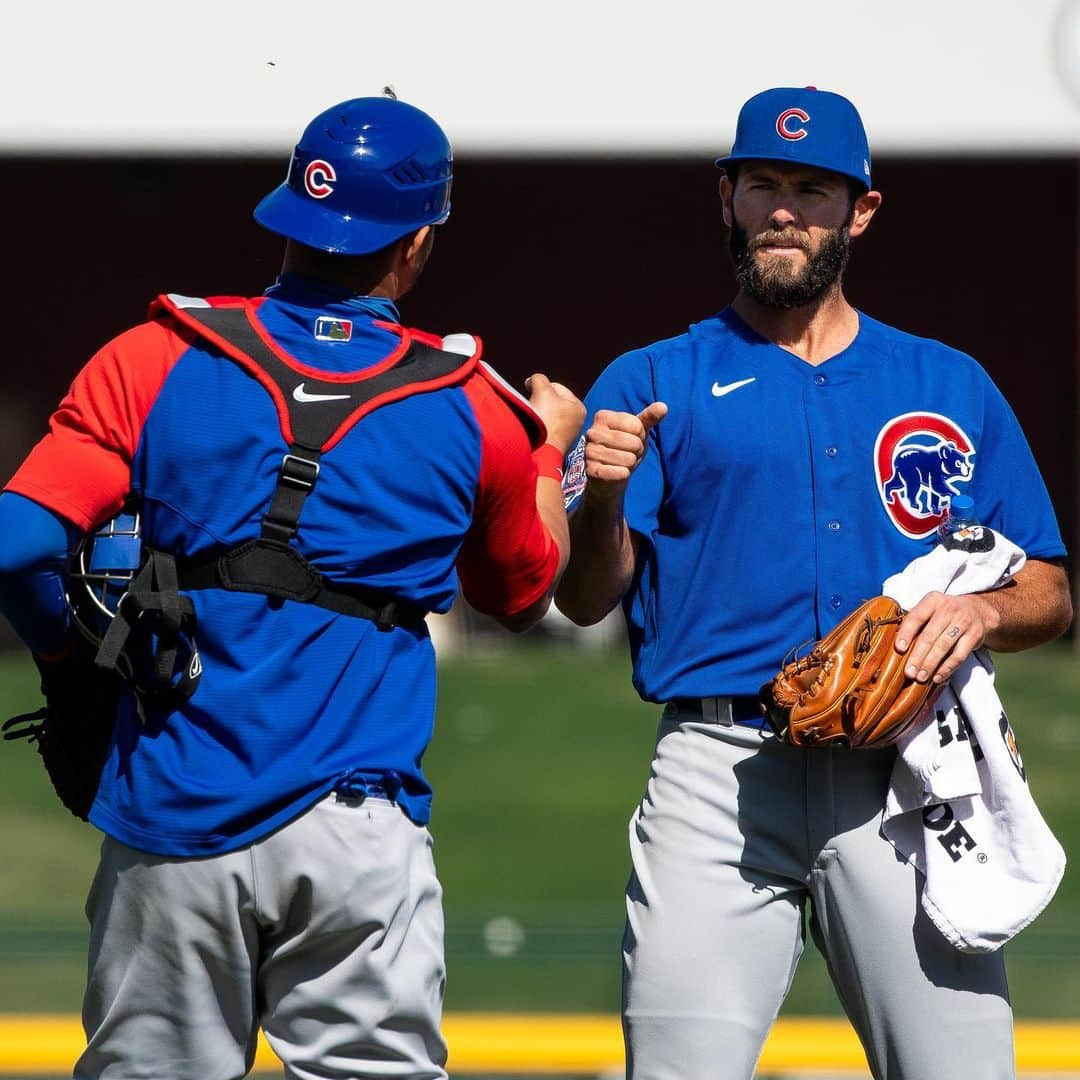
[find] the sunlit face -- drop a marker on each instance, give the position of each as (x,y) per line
(790,231)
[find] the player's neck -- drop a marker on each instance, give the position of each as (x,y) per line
(370,275)
(813,333)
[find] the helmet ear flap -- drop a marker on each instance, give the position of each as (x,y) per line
(100,571)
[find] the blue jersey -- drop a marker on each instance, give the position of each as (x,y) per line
(776,496)
(294,699)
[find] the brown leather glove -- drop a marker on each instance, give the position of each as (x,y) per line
(850,689)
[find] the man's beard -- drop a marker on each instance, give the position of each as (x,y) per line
(775,284)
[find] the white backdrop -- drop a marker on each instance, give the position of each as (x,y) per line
(562,76)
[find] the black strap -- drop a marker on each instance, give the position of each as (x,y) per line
(155,592)
(273,568)
(296,480)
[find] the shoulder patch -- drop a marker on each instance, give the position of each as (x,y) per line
(574,473)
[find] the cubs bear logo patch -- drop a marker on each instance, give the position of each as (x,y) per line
(919,458)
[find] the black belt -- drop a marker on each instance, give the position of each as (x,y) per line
(745,709)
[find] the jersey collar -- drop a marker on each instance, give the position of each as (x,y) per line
(301,291)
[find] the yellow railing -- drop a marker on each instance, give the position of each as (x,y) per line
(520,1044)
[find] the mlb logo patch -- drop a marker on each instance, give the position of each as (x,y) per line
(331,329)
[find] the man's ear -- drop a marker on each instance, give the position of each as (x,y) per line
(727,192)
(866,205)
(415,244)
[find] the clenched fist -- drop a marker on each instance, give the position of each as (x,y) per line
(614,447)
(562,412)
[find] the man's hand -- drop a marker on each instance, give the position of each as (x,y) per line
(940,632)
(562,412)
(604,551)
(614,447)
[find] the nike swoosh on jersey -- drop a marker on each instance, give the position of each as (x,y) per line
(300,394)
(720,391)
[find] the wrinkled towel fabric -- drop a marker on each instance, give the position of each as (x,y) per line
(959,807)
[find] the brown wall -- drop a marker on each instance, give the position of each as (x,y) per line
(559,265)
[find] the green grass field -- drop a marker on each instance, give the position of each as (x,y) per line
(539,758)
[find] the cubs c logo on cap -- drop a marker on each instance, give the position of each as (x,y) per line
(919,458)
(787,124)
(319,178)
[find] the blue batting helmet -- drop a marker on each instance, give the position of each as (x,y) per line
(363,174)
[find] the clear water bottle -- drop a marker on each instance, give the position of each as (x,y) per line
(961,515)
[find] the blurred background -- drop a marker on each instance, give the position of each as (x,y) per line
(136,140)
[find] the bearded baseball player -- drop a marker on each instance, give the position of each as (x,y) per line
(313,478)
(741,488)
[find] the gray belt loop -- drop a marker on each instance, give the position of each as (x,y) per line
(717,710)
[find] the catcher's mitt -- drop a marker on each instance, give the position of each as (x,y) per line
(850,689)
(73,730)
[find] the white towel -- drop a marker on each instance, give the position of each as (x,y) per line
(959,807)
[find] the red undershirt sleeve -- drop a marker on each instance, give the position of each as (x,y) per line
(81,469)
(509,559)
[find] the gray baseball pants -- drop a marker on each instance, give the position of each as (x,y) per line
(328,933)
(736,837)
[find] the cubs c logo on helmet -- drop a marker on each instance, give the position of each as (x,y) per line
(919,458)
(785,128)
(319,178)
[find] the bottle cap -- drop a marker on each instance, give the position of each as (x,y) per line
(962,508)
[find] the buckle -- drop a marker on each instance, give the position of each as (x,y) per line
(299,472)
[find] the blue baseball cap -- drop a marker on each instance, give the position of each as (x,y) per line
(805,126)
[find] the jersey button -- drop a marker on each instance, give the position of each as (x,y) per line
(833,526)
(834,600)
(819,380)
(830,451)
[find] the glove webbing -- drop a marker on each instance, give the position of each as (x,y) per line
(33,723)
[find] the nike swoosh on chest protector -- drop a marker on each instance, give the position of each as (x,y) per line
(300,394)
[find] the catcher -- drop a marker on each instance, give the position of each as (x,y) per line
(313,478)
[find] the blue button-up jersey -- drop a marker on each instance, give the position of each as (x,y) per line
(776,496)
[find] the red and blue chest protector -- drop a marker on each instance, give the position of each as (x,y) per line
(776,496)
(433,486)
